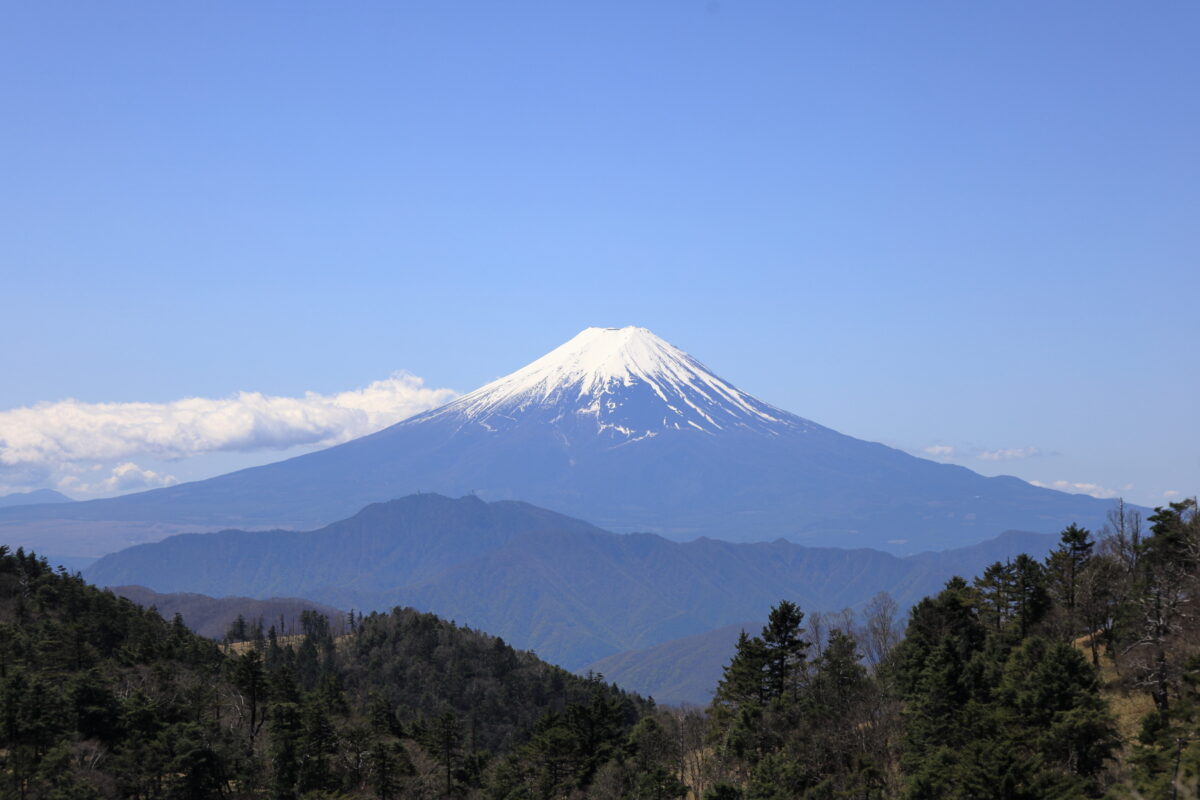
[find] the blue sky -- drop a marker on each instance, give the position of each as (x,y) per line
(940,225)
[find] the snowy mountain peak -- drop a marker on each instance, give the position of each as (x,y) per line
(596,358)
(627,382)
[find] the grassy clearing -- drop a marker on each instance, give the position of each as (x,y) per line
(295,639)
(1129,707)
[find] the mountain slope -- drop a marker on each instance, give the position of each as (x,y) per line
(619,427)
(384,546)
(679,672)
(565,588)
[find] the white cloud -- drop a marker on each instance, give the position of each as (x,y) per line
(946,452)
(1093,489)
(1169,493)
(52,442)
(1009,454)
(124,477)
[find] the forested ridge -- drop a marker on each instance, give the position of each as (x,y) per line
(100,698)
(1018,685)
(1073,676)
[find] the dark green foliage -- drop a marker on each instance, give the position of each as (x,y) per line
(766,668)
(417,664)
(443,740)
(1049,693)
(788,726)
(744,682)
(991,694)
(784,650)
(987,696)
(101,699)
(992,710)
(238,630)
(1013,597)
(569,749)
(1066,566)
(286,733)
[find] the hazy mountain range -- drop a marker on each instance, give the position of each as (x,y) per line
(618,427)
(35,497)
(568,590)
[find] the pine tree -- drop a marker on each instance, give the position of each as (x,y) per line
(444,743)
(318,744)
(286,731)
(1012,596)
(784,650)
(238,631)
(995,589)
(1166,580)
(1065,567)
(839,678)
(250,678)
(744,679)
(1030,598)
(388,764)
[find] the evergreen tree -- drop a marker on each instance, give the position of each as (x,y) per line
(784,650)
(1065,568)
(995,589)
(744,679)
(249,676)
(1165,583)
(287,729)
(1050,693)
(444,743)
(389,765)
(1031,601)
(238,631)
(317,747)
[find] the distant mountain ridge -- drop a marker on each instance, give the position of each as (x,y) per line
(35,497)
(211,616)
(615,426)
(568,590)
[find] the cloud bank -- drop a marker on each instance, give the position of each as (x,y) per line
(124,477)
(1095,490)
(945,452)
(68,442)
(1008,454)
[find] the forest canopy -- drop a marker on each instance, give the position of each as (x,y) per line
(1073,676)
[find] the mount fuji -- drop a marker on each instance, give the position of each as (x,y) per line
(620,428)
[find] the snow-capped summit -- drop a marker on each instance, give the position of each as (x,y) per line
(627,382)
